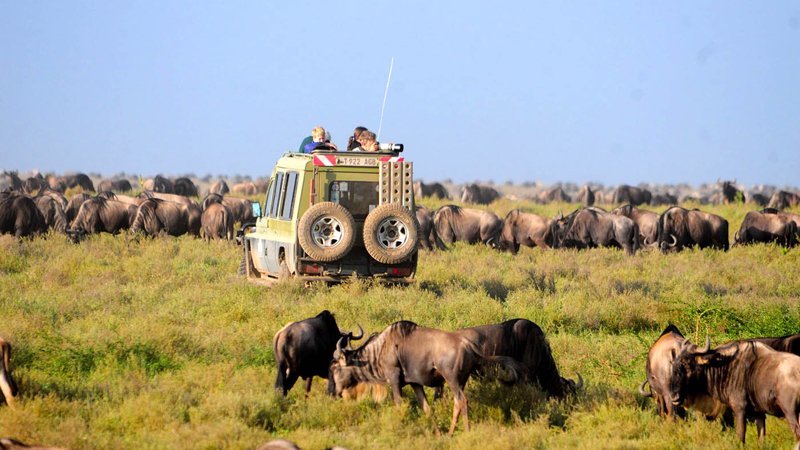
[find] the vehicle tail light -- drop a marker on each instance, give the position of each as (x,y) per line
(311,268)
(399,271)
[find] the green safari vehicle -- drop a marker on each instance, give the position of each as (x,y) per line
(331,215)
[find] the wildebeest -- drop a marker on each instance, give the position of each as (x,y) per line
(175,198)
(245,188)
(592,227)
(304,349)
(794,217)
(525,342)
(783,200)
(762,227)
(19,215)
(78,179)
(428,237)
(633,195)
(13,444)
(730,193)
(477,194)
(217,222)
(219,187)
(119,185)
(435,190)
(454,223)
(789,343)
(240,208)
(7,385)
(52,213)
(184,186)
(585,196)
(679,227)
(521,228)
(10,181)
(34,184)
(663,199)
(135,201)
(554,194)
(155,216)
(647,221)
(758,199)
(405,353)
(658,369)
(750,378)
(100,215)
(74,205)
(159,184)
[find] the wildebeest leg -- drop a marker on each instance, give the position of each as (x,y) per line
(437,392)
(308,385)
(459,408)
(291,379)
(423,401)
(741,424)
(761,427)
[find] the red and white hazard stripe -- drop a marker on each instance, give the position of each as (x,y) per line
(392,159)
(325,160)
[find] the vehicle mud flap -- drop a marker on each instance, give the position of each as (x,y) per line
(391,233)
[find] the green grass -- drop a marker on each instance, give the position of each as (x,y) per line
(158,344)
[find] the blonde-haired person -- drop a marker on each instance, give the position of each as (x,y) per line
(319,141)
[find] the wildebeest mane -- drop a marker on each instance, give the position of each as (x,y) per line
(671,329)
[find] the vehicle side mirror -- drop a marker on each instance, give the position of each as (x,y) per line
(256,209)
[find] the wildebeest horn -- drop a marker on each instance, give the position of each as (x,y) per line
(644,241)
(706,347)
(642,392)
(339,349)
(360,335)
(580,381)
(674,240)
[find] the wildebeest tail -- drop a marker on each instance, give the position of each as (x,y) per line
(145,216)
(443,222)
(280,359)
(7,385)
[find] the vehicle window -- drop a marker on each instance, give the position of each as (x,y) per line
(288,201)
(270,196)
(358,197)
(273,209)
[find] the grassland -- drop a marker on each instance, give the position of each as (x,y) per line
(157,344)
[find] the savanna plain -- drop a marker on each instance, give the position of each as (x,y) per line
(123,343)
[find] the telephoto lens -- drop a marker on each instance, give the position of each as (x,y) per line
(391,147)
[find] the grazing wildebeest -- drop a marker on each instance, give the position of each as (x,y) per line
(159,184)
(184,186)
(758,199)
(750,378)
(554,194)
(101,215)
(19,215)
(521,228)
(155,216)
(135,201)
(304,349)
(592,227)
(663,199)
(34,184)
(245,188)
(219,187)
(217,222)
(52,213)
(482,195)
(679,227)
(633,195)
(526,343)
(730,193)
(763,227)
(647,221)
(56,183)
(405,353)
(783,200)
(454,223)
(585,196)
(120,185)
(55,195)
(794,217)
(241,209)
(435,190)
(428,237)
(7,385)
(74,205)
(658,368)
(78,179)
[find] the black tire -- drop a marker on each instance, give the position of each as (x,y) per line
(390,233)
(327,232)
(246,266)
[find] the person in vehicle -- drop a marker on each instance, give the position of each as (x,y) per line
(318,141)
(352,142)
(367,141)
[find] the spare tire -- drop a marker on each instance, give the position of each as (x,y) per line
(327,232)
(390,233)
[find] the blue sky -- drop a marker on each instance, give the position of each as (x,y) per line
(614,92)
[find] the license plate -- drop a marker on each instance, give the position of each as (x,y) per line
(356,161)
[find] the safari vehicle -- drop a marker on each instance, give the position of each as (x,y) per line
(331,215)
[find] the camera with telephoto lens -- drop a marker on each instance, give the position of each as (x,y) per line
(390,147)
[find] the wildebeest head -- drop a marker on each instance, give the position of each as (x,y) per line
(342,375)
(690,366)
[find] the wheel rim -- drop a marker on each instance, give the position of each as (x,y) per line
(392,233)
(327,232)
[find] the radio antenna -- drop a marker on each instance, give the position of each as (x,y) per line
(385,93)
